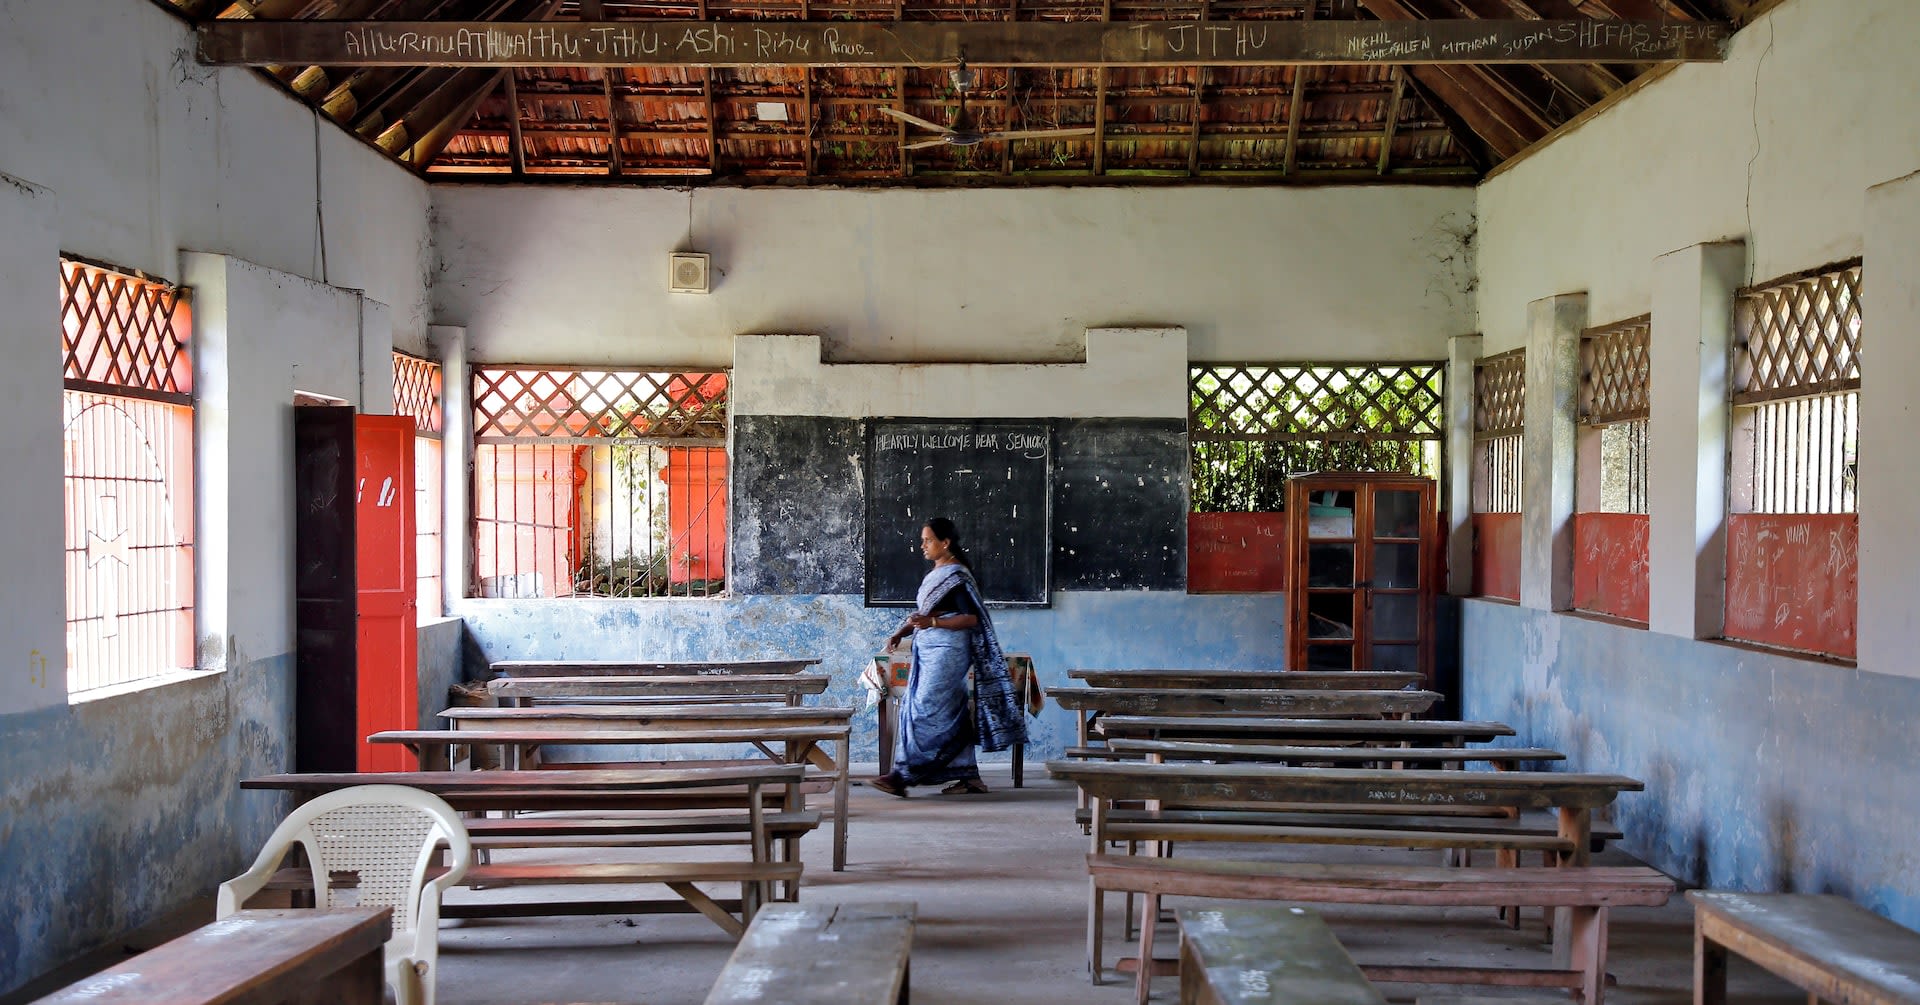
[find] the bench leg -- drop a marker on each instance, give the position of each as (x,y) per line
(1019,765)
(1588,927)
(1709,970)
(1096,918)
(1149,920)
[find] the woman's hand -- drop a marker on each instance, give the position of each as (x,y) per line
(918,620)
(893,642)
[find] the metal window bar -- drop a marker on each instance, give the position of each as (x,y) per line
(1250,426)
(1805,454)
(1623,467)
(571,499)
(128,479)
(1501,473)
(1499,413)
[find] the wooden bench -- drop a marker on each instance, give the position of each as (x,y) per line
(251,957)
(1386,818)
(1270,729)
(1239,955)
(798,744)
(1585,893)
(1831,948)
(1189,750)
(1089,702)
(676,789)
(820,954)
(789,688)
(650,668)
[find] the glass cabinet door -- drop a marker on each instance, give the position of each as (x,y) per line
(1364,582)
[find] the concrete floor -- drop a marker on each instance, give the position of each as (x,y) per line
(1000,881)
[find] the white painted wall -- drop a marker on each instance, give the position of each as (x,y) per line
(580,275)
(1816,100)
(261,336)
(151,154)
(1129,372)
(33,642)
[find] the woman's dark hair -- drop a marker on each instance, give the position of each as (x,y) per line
(944,529)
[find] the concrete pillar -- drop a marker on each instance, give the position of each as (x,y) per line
(1889,481)
(1693,294)
(1547,451)
(1462,350)
(32,602)
(456,460)
(213,477)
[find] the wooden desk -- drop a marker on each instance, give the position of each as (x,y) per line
(1183,750)
(253,958)
(646,668)
(801,744)
(690,788)
(1265,729)
(1241,701)
(599,717)
(821,954)
(744,687)
(1293,680)
(1236,955)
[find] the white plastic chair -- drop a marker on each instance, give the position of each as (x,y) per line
(389,835)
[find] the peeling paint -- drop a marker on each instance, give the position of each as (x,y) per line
(1763,772)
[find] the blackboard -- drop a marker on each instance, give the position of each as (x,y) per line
(799,505)
(992,478)
(1120,504)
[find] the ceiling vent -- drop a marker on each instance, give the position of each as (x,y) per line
(688,272)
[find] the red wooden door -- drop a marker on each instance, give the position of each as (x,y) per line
(388,632)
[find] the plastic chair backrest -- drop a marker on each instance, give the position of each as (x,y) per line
(371,846)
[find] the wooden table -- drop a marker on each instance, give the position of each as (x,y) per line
(688,788)
(799,744)
(790,688)
(253,958)
(1241,701)
(598,717)
(1338,680)
(644,668)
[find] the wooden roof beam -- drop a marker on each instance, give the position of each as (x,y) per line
(1396,38)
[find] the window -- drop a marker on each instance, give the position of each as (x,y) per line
(1793,526)
(1610,526)
(1252,426)
(416,393)
(1499,417)
(128,435)
(606,483)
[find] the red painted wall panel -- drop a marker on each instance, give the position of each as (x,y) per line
(1792,581)
(1237,552)
(389,641)
(1610,564)
(1496,555)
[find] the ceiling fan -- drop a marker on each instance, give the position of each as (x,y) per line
(962,133)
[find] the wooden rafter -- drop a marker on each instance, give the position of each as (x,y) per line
(1399,37)
(1393,117)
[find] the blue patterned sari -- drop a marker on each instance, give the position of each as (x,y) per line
(936,736)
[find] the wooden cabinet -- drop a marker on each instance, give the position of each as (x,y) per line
(356,649)
(1366,570)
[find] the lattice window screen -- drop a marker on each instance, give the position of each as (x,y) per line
(1500,395)
(1798,336)
(123,333)
(522,402)
(416,391)
(1251,425)
(1615,373)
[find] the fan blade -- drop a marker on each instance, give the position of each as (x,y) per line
(1038,134)
(915,119)
(925,144)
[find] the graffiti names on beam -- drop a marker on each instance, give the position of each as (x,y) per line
(854,43)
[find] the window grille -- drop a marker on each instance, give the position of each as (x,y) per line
(416,394)
(1615,381)
(1251,426)
(416,391)
(1796,370)
(1499,413)
(604,483)
(128,434)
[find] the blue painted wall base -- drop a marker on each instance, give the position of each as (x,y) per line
(1763,772)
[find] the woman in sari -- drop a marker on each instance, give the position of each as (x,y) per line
(952,634)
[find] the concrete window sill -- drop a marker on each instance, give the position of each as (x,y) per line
(136,686)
